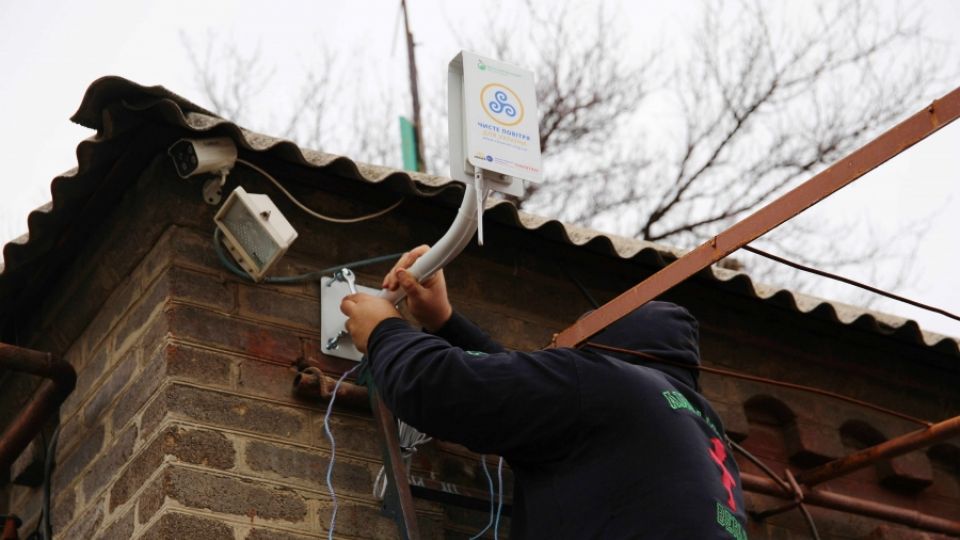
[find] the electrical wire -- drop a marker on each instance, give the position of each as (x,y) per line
(35,535)
(809,520)
(410,438)
(849,281)
(761,465)
(49,463)
(754,378)
(292,280)
(773,382)
(583,290)
(486,472)
(496,523)
(313,213)
(380,484)
(333,450)
(781,482)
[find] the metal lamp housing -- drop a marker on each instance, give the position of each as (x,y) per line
(254,231)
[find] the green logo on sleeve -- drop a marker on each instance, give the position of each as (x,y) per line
(678,401)
(729,522)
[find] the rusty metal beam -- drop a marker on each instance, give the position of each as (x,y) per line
(312,383)
(61,380)
(854,505)
(885,450)
(902,136)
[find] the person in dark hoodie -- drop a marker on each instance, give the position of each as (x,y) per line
(600,445)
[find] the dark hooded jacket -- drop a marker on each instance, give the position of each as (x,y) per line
(600,447)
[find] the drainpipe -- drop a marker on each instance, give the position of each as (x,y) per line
(312,383)
(60,379)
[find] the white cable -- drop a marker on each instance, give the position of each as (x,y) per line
(313,213)
(486,472)
(333,449)
(496,524)
(410,438)
(380,484)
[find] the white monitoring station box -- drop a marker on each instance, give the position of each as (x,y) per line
(493,123)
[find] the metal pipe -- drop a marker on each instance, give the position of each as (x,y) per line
(854,505)
(10,525)
(41,364)
(448,247)
(414,88)
(312,383)
(890,143)
(885,450)
(61,379)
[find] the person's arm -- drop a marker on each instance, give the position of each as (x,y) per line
(522,405)
(462,332)
(429,304)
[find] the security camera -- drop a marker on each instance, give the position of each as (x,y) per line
(197,156)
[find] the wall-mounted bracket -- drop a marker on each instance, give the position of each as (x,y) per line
(213,188)
(332,321)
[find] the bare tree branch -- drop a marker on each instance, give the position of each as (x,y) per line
(756,101)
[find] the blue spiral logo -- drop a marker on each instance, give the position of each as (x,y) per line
(501,104)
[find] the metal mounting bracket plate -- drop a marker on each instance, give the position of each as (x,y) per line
(332,320)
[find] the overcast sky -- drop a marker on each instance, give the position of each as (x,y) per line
(51,51)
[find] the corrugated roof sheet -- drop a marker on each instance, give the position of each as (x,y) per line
(112,103)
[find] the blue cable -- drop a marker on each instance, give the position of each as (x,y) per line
(496,526)
(486,472)
(312,276)
(333,449)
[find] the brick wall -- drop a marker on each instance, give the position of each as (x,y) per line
(184,425)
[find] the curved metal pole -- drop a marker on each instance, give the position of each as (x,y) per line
(450,245)
(446,249)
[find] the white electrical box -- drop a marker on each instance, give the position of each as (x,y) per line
(254,230)
(493,122)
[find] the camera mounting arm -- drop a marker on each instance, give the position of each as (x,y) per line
(450,244)
(332,320)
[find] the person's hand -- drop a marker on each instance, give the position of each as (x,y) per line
(364,312)
(428,300)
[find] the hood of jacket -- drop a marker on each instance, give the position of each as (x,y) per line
(662,329)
